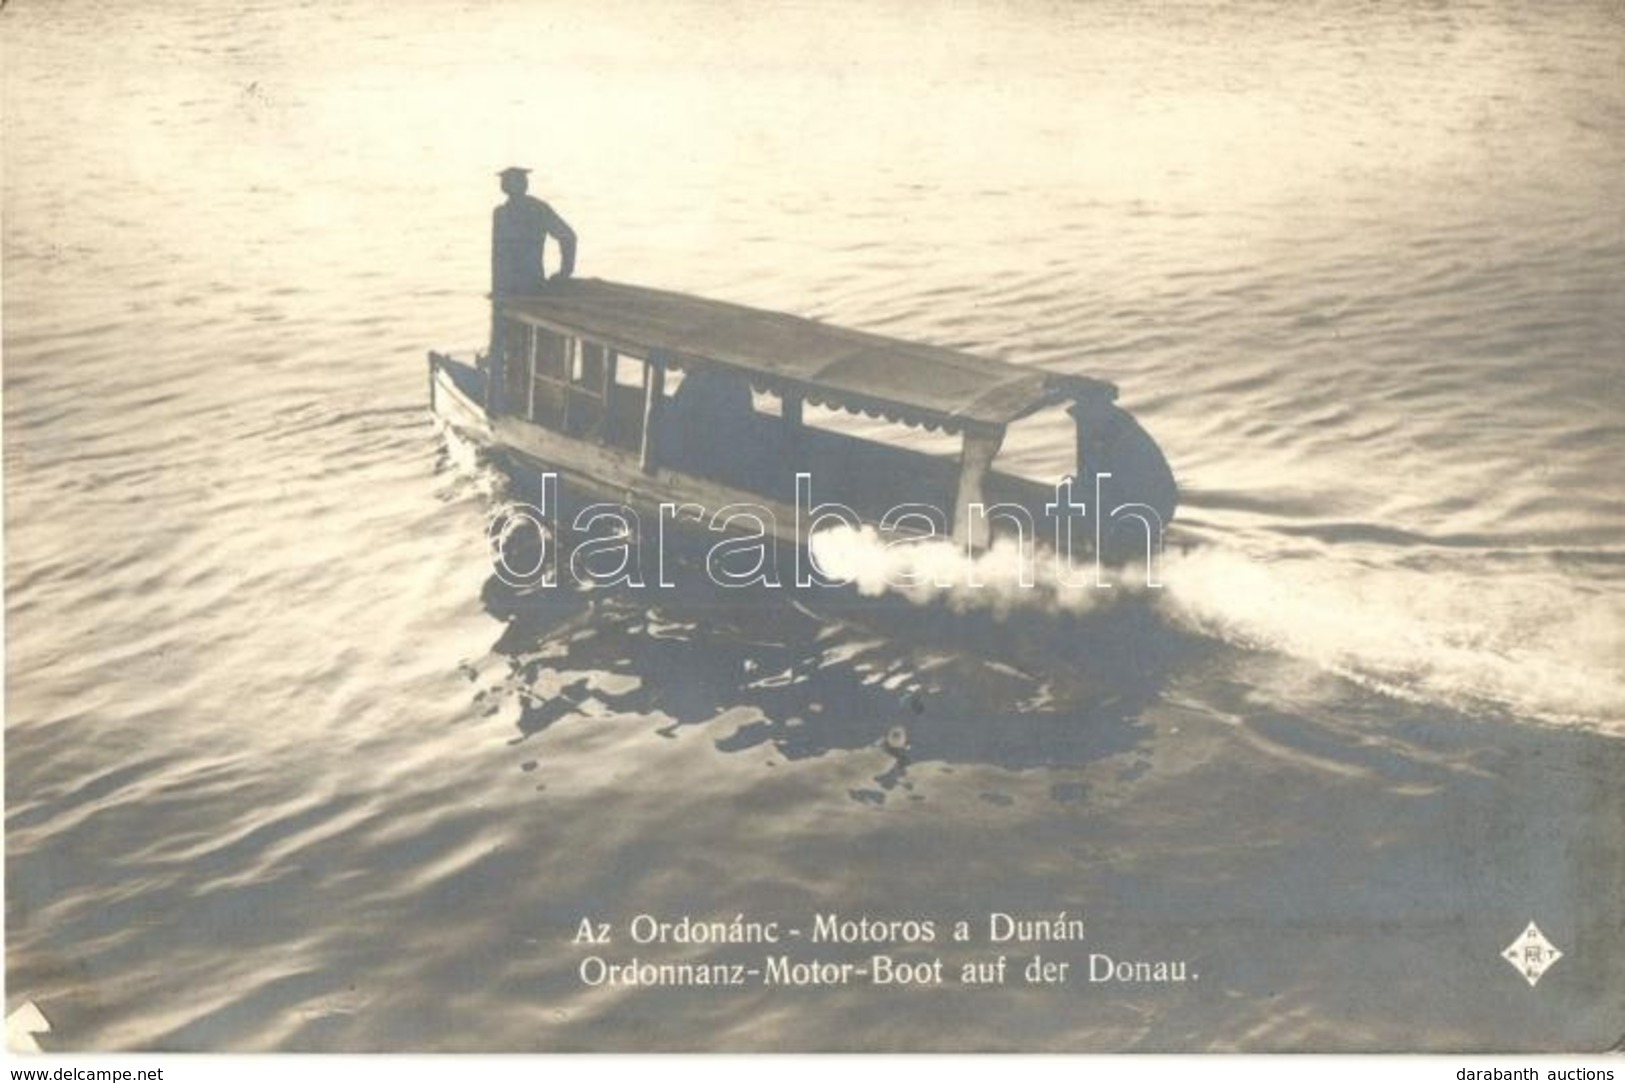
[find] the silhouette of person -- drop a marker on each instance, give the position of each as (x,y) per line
(519,230)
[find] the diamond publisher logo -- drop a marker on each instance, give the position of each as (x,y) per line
(1531,954)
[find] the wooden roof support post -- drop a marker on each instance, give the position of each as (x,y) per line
(654,393)
(791,404)
(975,460)
(606,430)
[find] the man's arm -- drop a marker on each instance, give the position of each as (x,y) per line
(561,231)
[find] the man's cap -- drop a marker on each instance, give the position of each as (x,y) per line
(514,171)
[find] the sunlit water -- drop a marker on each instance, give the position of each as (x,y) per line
(286,768)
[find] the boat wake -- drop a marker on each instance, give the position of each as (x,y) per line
(1429,632)
(1004,579)
(1523,649)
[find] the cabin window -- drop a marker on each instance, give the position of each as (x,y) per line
(766,403)
(590,365)
(548,398)
(587,393)
(626,379)
(552,355)
(570,384)
(631,372)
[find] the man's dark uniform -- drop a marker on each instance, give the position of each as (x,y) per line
(519,231)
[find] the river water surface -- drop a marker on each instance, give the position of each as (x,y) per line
(288,769)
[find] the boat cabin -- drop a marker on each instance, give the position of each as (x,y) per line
(646,395)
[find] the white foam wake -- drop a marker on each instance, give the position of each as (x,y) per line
(1006,578)
(1532,644)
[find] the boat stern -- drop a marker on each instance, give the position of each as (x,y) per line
(457,394)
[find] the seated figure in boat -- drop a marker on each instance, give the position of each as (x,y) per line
(519,231)
(710,429)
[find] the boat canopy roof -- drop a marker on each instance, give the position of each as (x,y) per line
(865,373)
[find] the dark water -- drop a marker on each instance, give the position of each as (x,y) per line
(286,768)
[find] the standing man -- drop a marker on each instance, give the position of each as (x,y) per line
(519,230)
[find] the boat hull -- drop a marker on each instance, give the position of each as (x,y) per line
(671,502)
